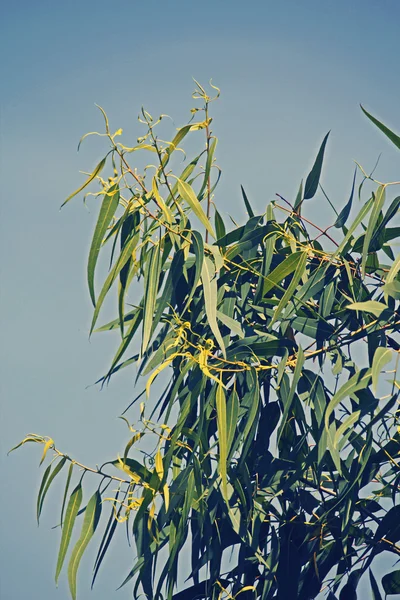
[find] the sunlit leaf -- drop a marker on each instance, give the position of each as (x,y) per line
(68,525)
(90,521)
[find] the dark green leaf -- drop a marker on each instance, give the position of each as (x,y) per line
(390,134)
(312,180)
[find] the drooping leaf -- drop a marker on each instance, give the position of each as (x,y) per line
(187,193)
(210,299)
(382,357)
(222,438)
(68,525)
(373,219)
(106,213)
(90,521)
(43,490)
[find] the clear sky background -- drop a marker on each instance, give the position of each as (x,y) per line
(289,71)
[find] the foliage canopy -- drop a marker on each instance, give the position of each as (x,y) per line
(275,437)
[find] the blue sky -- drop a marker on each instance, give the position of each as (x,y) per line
(289,71)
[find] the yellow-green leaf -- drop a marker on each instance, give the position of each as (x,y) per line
(187,193)
(68,525)
(90,521)
(222,438)
(210,299)
(382,357)
(371,306)
(97,170)
(151,278)
(107,210)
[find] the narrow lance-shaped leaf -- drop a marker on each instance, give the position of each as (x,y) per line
(359,381)
(210,299)
(198,250)
(281,271)
(312,180)
(187,193)
(70,516)
(247,203)
(390,134)
(90,521)
(373,219)
(222,438)
(96,172)
(287,296)
(361,215)
(107,210)
(374,587)
(121,262)
(152,275)
(344,213)
(382,357)
(70,470)
(42,493)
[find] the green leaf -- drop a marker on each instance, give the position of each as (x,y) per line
(71,468)
(359,381)
(151,279)
(361,215)
(287,296)
(219,225)
(97,170)
(390,134)
(198,251)
(70,516)
(391,583)
(90,521)
(288,399)
(222,438)
(373,219)
(344,213)
(313,328)
(394,269)
(187,193)
(283,270)
(247,203)
(312,180)
(392,289)
(107,210)
(183,131)
(299,198)
(371,306)
(210,289)
(207,170)
(382,357)
(120,263)
(45,488)
(107,537)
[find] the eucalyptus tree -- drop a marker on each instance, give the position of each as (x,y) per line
(274,442)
